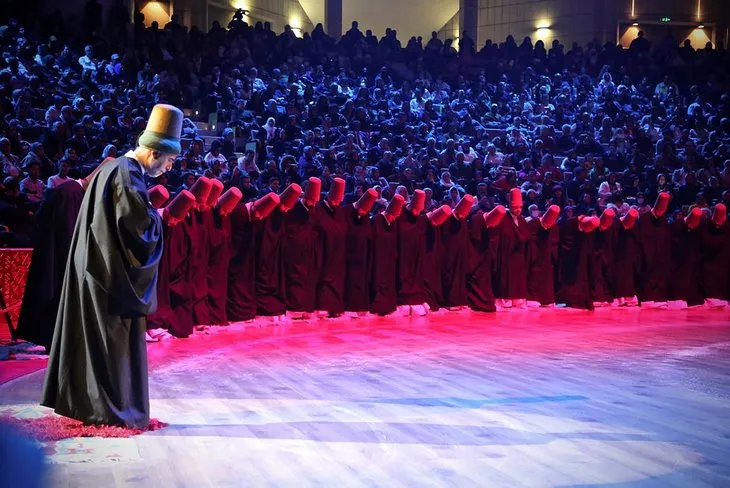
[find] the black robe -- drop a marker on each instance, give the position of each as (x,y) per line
(358,260)
(483,242)
(241,273)
(270,296)
(655,244)
(574,269)
(412,259)
(385,266)
(432,279)
(174,297)
(454,261)
(97,371)
(300,258)
(56,220)
(684,281)
(602,263)
(511,260)
(626,261)
(196,227)
(542,257)
(331,225)
(219,255)
(715,264)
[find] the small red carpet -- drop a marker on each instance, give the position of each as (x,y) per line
(55,428)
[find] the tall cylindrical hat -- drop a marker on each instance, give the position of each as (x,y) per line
(418,202)
(719,215)
(661,204)
(550,217)
(515,197)
(463,208)
(630,218)
(228,201)
(366,201)
(180,205)
(337,191)
(494,216)
(313,191)
(694,218)
(216,189)
(289,197)
(394,208)
(607,218)
(163,130)
(265,205)
(588,224)
(158,195)
(439,216)
(201,189)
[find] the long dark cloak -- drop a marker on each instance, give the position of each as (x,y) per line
(684,283)
(56,220)
(269,281)
(331,226)
(219,255)
(412,259)
(300,257)
(542,257)
(715,263)
(482,249)
(655,244)
(196,228)
(574,269)
(511,263)
(358,260)
(241,275)
(454,261)
(385,266)
(626,261)
(97,371)
(602,262)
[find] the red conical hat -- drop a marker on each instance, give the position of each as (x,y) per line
(228,201)
(289,197)
(314,190)
(418,202)
(588,224)
(607,218)
(494,217)
(337,191)
(216,189)
(181,205)
(694,217)
(266,204)
(630,218)
(366,201)
(464,206)
(661,204)
(515,196)
(720,214)
(158,195)
(439,216)
(550,217)
(395,206)
(201,190)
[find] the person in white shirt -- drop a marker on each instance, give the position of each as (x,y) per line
(87,62)
(32,184)
(61,177)
(215,154)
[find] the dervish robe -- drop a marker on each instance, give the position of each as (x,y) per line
(511,259)
(574,269)
(300,258)
(412,259)
(331,226)
(482,249)
(542,257)
(269,286)
(358,260)
(454,261)
(385,266)
(655,244)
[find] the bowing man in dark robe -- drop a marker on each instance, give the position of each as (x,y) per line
(483,240)
(655,243)
(626,260)
(574,270)
(359,254)
(602,260)
(269,237)
(412,226)
(384,282)
(195,228)
(241,271)
(542,257)
(715,260)
(174,315)
(97,371)
(455,255)
(433,254)
(511,263)
(683,288)
(331,226)
(300,253)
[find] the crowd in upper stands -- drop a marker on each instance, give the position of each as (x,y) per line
(584,127)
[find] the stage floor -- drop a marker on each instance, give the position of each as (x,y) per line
(551,398)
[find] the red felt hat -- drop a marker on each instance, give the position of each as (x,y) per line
(515,197)
(394,208)
(588,224)
(366,201)
(720,214)
(289,197)
(216,189)
(607,218)
(337,191)
(439,216)
(661,204)
(180,205)
(464,206)
(495,216)
(630,218)
(418,202)
(201,190)
(158,195)
(228,201)
(550,217)
(314,190)
(694,217)
(265,205)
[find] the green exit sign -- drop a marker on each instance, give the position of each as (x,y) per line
(666,19)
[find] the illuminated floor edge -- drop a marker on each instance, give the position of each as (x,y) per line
(530,398)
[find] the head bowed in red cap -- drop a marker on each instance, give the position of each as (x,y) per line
(228,201)
(216,188)
(630,218)
(515,201)
(366,201)
(179,207)
(551,217)
(495,216)
(588,224)
(289,197)
(394,208)
(313,191)
(719,215)
(607,218)
(418,202)
(661,205)
(337,192)
(463,208)
(200,190)
(694,218)
(440,215)
(263,207)
(158,196)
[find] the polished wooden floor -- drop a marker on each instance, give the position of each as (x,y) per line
(550,398)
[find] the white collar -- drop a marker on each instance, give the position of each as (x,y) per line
(130,154)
